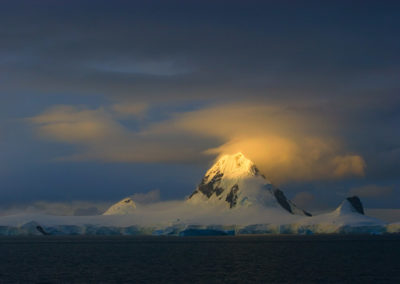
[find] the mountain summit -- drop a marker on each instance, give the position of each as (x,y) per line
(234,181)
(233,166)
(350,205)
(123,207)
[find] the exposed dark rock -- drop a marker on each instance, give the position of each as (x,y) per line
(194,193)
(356,203)
(209,188)
(232,197)
(41,230)
(218,191)
(282,200)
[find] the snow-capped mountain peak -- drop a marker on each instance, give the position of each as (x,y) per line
(232,166)
(350,205)
(234,181)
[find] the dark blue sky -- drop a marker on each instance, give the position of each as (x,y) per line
(103,99)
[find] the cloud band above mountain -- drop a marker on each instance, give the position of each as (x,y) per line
(286,143)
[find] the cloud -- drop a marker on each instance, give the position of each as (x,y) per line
(130,109)
(296,159)
(388,215)
(56,208)
(286,143)
(372,191)
(252,59)
(195,54)
(99,135)
(73,124)
(74,208)
(146,198)
(304,199)
(312,202)
(87,211)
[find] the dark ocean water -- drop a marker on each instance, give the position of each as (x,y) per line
(253,259)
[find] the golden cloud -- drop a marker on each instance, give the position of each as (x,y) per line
(283,159)
(100,136)
(77,124)
(286,143)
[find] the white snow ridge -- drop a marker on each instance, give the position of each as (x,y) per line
(233,198)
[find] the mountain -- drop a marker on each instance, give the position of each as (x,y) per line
(234,181)
(350,205)
(348,217)
(123,207)
(184,219)
(233,198)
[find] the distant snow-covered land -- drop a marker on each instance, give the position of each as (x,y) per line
(233,198)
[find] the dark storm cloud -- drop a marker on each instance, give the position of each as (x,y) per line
(207,49)
(335,60)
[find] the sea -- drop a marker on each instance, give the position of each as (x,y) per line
(222,259)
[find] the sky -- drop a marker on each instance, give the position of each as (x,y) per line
(100,100)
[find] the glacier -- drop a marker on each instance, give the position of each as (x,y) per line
(233,198)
